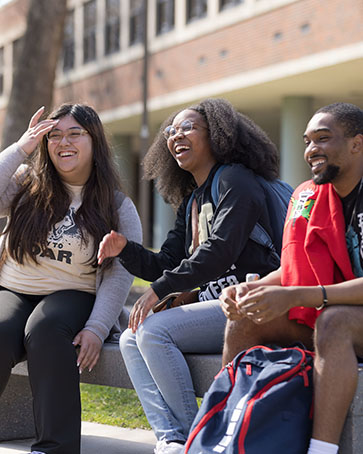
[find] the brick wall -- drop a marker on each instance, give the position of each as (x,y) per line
(290,32)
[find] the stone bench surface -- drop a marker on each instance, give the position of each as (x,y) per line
(111,371)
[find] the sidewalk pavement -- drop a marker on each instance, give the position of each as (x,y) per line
(99,439)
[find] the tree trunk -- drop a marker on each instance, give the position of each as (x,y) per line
(35,68)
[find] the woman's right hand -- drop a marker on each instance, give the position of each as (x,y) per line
(35,132)
(142,308)
(111,245)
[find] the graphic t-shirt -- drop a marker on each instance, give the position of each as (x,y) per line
(63,265)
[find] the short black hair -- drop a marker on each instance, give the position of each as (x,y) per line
(348,115)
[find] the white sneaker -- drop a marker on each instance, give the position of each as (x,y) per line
(162,447)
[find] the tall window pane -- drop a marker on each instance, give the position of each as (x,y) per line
(16,52)
(112,27)
(68,43)
(196,9)
(89,31)
(164,16)
(136,21)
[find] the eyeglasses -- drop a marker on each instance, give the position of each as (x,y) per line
(72,135)
(185,127)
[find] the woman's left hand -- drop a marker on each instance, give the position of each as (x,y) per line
(90,348)
(141,308)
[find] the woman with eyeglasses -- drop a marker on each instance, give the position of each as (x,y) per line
(61,194)
(183,159)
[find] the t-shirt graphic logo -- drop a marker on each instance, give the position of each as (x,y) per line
(66,225)
(302,206)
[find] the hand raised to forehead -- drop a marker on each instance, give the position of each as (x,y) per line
(35,132)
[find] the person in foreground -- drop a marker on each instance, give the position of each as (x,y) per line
(184,158)
(321,268)
(60,194)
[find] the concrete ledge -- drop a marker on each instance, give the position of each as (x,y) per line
(16,414)
(111,370)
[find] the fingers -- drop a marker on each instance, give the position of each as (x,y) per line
(87,358)
(230,309)
(32,136)
(90,348)
(35,118)
(110,246)
(137,316)
(142,308)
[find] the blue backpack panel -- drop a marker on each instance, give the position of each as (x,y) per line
(260,403)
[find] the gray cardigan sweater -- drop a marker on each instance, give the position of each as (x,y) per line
(112,284)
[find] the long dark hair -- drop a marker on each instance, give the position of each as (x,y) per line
(234,138)
(43,199)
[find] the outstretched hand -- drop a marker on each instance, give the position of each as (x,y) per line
(111,245)
(35,132)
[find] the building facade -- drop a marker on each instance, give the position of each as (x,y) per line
(275,60)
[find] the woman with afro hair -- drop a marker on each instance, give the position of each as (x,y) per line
(190,147)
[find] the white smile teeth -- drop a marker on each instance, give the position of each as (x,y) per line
(316,163)
(65,154)
(181,148)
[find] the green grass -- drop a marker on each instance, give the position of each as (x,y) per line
(112,406)
(140,282)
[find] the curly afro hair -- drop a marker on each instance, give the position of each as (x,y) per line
(234,138)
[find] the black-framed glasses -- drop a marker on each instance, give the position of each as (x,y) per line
(72,135)
(185,127)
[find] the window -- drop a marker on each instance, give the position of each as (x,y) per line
(164,16)
(224,4)
(68,42)
(196,9)
(16,53)
(89,31)
(1,70)
(136,21)
(112,27)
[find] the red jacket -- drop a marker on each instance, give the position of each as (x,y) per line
(314,250)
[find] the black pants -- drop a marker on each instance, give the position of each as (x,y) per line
(41,329)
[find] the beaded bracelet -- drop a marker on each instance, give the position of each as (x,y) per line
(325,299)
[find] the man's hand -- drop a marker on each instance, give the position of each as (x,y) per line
(229,303)
(90,348)
(141,308)
(111,245)
(265,303)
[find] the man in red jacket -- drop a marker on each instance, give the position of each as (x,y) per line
(316,296)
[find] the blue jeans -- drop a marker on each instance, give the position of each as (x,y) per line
(157,368)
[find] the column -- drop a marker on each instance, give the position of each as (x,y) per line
(295,114)
(164,218)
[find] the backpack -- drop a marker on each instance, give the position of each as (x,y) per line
(277,193)
(259,403)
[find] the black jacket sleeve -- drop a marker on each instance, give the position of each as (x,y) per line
(239,207)
(150,265)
